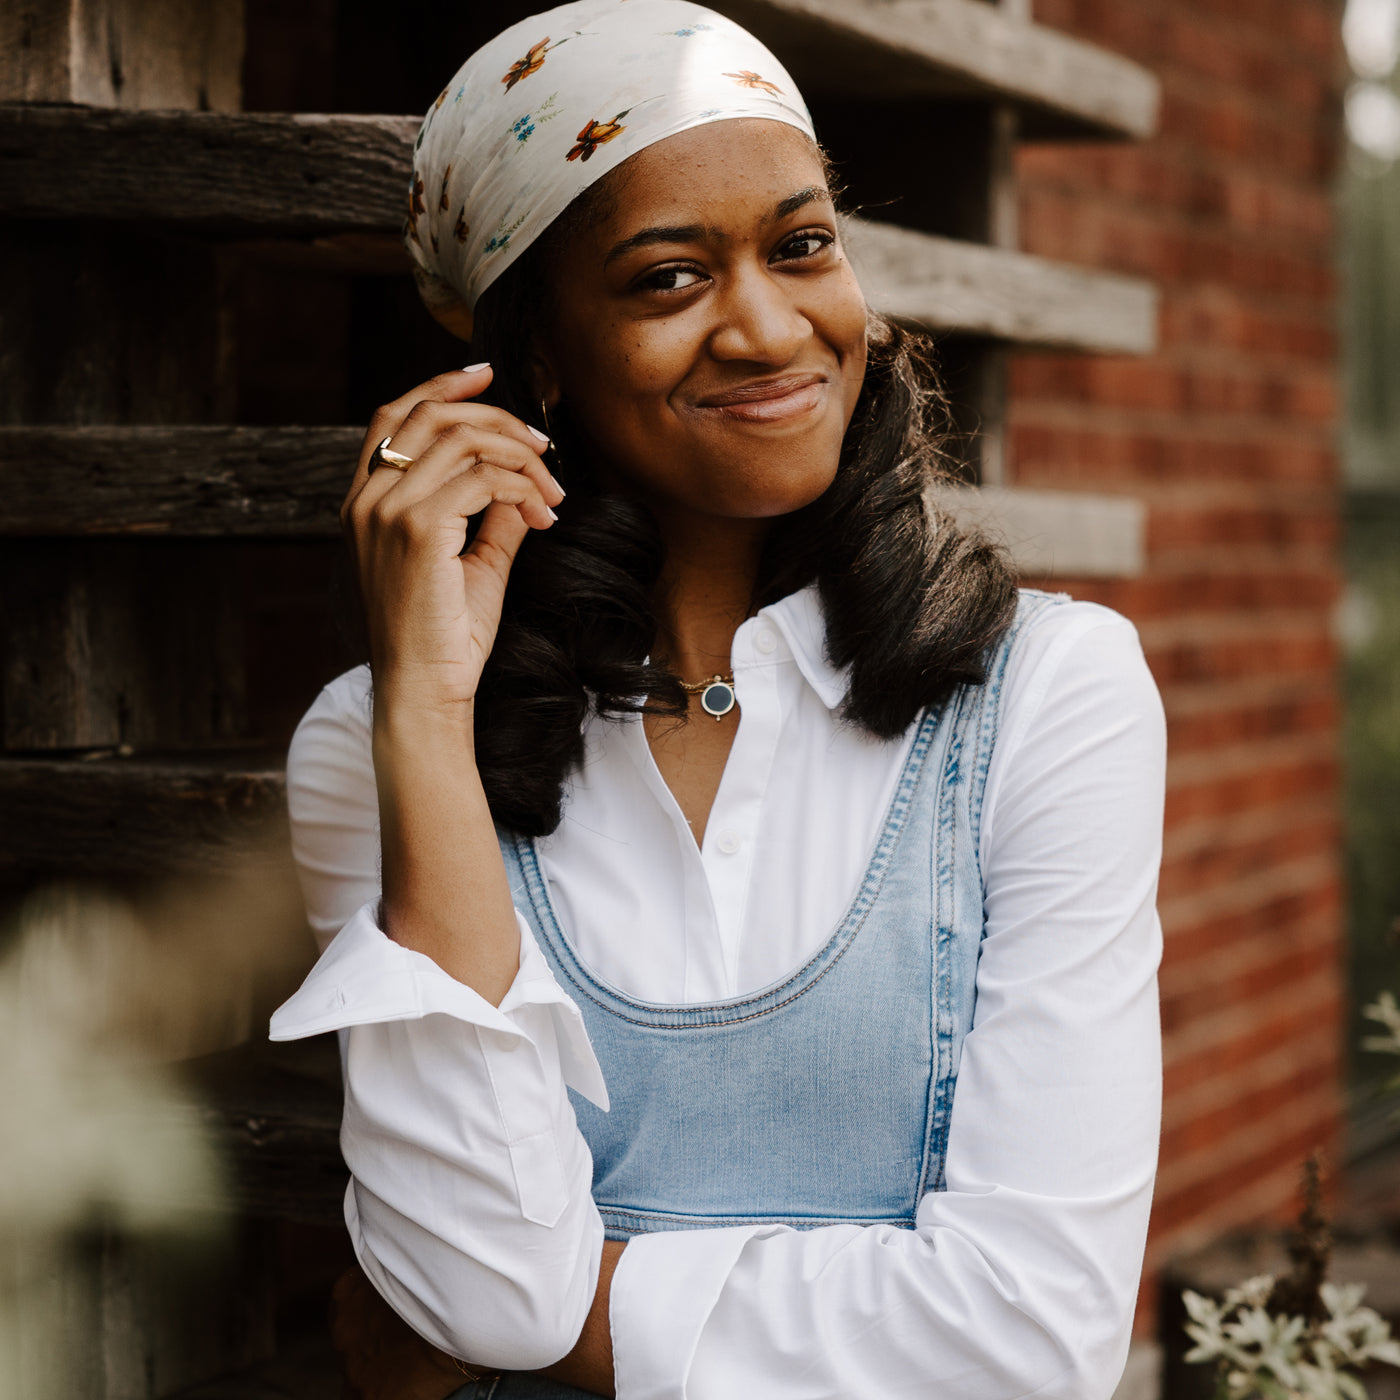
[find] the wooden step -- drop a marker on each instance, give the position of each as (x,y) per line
(1062,86)
(289,482)
(272,1114)
(225,172)
(308,1370)
(972,289)
(186,480)
(115,814)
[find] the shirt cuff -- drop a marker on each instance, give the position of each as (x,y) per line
(663,1292)
(365,978)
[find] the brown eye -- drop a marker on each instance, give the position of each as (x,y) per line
(670,279)
(805,245)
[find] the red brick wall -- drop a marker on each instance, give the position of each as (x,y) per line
(1227,433)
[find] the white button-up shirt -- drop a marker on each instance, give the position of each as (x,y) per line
(470,1202)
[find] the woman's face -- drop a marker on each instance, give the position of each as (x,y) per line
(709,334)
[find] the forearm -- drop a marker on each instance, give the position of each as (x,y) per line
(590,1364)
(445,892)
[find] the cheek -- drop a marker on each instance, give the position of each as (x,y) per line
(621,374)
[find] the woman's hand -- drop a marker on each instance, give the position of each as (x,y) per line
(381,1356)
(432,610)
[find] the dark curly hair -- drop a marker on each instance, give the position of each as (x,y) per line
(912,602)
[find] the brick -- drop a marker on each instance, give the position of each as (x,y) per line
(1226,434)
(1218,1046)
(1246,1111)
(1310,912)
(1197,662)
(1234,856)
(1276,1065)
(1055,444)
(1241,1164)
(1221,993)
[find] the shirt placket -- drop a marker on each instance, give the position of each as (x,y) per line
(731,832)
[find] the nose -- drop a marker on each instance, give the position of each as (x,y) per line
(759,320)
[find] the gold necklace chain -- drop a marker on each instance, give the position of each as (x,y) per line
(695,687)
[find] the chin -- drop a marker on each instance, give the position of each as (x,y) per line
(773,497)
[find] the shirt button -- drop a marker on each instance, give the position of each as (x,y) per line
(729,841)
(766,642)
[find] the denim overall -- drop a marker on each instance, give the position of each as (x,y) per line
(824,1098)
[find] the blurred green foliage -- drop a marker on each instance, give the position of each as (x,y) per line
(1371,639)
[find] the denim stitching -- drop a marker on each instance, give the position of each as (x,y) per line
(712,1016)
(719,1222)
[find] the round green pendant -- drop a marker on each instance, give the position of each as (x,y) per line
(717,699)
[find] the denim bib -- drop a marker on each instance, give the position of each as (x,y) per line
(824,1098)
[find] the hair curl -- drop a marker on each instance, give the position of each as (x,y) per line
(912,602)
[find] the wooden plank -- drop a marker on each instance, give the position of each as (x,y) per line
(281,481)
(1071,534)
(1063,86)
(272,1113)
(971,289)
(162,480)
(112,642)
(116,814)
(123,53)
(254,172)
(309,1370)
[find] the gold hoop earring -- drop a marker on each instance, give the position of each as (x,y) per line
(553,446)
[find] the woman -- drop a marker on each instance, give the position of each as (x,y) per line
(731,810)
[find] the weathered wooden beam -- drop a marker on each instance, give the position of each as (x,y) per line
(123,53)
(164,480)
(1063,86)
(972,289)
(260,173)
(272,1113)
(115,815)
(1069,534)
(289,481)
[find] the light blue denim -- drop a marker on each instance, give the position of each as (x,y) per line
(823,1098)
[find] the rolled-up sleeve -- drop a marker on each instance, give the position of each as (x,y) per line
(470,1203)
(1019,1279)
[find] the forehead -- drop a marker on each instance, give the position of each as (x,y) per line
(722,170)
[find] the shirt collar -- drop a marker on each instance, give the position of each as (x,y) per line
(800,619)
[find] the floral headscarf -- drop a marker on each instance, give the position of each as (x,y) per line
(552,104)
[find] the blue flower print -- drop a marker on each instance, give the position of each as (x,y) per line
(496,243)
(690,30)
(524,128)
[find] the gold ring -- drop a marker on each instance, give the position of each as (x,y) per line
(382,457)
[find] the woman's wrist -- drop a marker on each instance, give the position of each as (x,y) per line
(408,721)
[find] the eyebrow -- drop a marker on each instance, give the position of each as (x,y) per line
(694,233)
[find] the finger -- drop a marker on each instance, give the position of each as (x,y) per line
(459,453)
(468,494)
(499,539)
(462,446)
(429,419)
(454,386)
(451,387)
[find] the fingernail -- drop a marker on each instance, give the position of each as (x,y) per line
(552,515)
(543,437)
(557,486)
(471,369)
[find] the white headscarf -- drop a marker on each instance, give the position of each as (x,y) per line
(551,105)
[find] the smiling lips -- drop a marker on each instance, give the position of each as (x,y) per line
(769,400)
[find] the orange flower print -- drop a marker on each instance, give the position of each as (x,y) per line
(441,98)
(442,196)
(752,80)
(415,207)
(594,134)
(461,228)
(531,63)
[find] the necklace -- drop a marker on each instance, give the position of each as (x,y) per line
(716,694)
